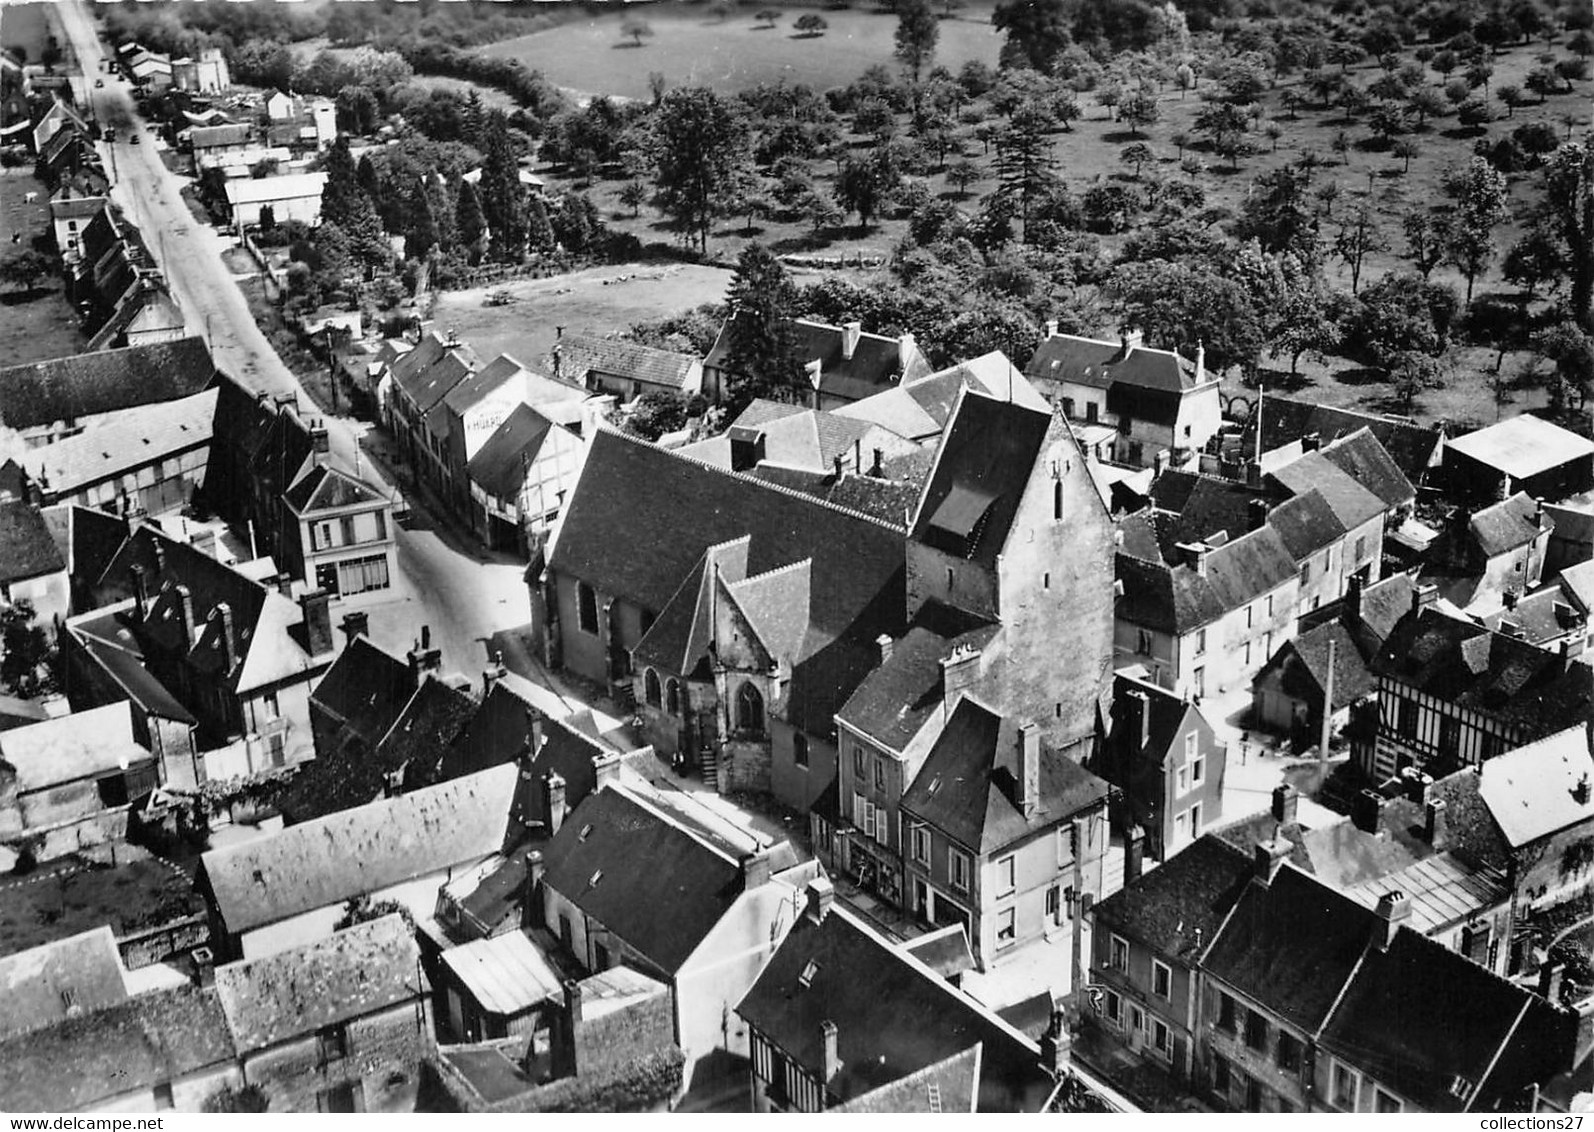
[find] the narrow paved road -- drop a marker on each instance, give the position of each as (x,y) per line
(464,601)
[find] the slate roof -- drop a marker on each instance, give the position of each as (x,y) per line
(325,488)
(1307,524)
(27,549)
(581,355)
(429,722)
(1432,1025)
(66,977)
(1530,790)
(129,1048)
(1361,457)
(950,1085)
(1177,907)
(1413,448)
(654,885)
(640,519)
(909,1020)
(132,439)
(125,666)
(1178,599)
(1291,945)
(293,994)
(483,383)
(330,859)
(1352,503)
(208,137)
(1304,663)
(86,385)
(431,370)
(367,687)
(1523,446)
(898,698)
(1089,361)
(981,470)
(889,500)
(498,464)
(968,787)
(1472,667)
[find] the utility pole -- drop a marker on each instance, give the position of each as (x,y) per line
(1328,714)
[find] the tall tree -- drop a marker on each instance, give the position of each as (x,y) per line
(347,206)
(917,32)
(763,300)
(421,236)
(702,155)
(1567,216)
(503,197)
(1024,160)
(1482,206)
(1358,236)
(470,223)
(1037,31)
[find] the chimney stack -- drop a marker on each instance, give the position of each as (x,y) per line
(1550,976)
(185,612)
(222,612)
(140,591)
(1436,828)
(756,870)
(1394,909)
(1138,703)
(1423,595)
(1580,792)
(355,625)
(424,659)
(821,894)
(1134,854)
(532,915)
(573,1000)
(878,469)
(317,609)
(204,966)
(320,443)
(1311,442)
(1256,514)
(850,333)
(1029,769)
(1051,328)
(884,644)
(1194,555)
(1160,462)
(285,585)
(1366,809)
(959,672)
(830,1057)
(1270,855)
(534,733)
(1285,801)
(553,801)
(1055,1045)
(1571,649)
(1351,610)
(493,673)
(605,769)
(1253,474)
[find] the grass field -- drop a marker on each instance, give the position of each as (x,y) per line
(598,301)
(693,48)
(62,899)
(37,324)
(26,26)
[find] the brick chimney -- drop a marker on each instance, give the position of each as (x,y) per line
(1029,769)
(1137,709)
(1350,614)
(316,607)
(553,801)
(1253,474)
(1435,825)
(959,673)
(1580,792)
(423,658)
(1051,328)
(204,966)
(1256,514)
(1056,1043)
(355,625)
(320,443)
(185,612)
(1366,809)
(1285,800)
(1270,856)
(1394,909)
(820,895)
(1550,976)
(1311,442)
(1194,555)
(222,612)
(884,644)
(493,673)
(605,770)
(850,333)
(1134,854)
(830,1055)
(1423,595)
(756,870)
(140,591)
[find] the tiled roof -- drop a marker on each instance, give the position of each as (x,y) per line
(663,911)
(431,370)
(85,385)
(889,500)
(325,488)
(968,787)
(1531,791)
(899,697)
(129,1048)
(1523,446)
(1178,599)
(984,464)
(1365,460)
(1307,524)
(1177,908)
(27,548)
(1506,526)
(1291,945)
(581,355)
(85,744)
(1412,447)
(428,724)
(126,668)
(1432,1026)
(1469,666)
(1305,661)
(950,1085)
(331,859)
(1088,361)
(43,985)
(909,1019)
(679,637)
(294,994)
(207,137)
(1352,503)
(133,438)
(483,383)
(367,687)
(499,464)
(877,362)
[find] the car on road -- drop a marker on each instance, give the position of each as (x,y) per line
(99,82)
(110,135)
(136,138)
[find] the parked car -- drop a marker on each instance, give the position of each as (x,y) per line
(99,82)
(136,138)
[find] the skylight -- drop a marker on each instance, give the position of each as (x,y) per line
(807,977)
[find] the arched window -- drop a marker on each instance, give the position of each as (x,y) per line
(672,697)
(650,687)
(749,709)
(586,607)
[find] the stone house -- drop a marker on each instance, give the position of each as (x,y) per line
(337,532)
(1167,763)
(1288,425)
(1001,834)
(341,1024)
(1156,401)
(843,363)
(625,369)
(1482,556)
(420,380)
(61,979)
